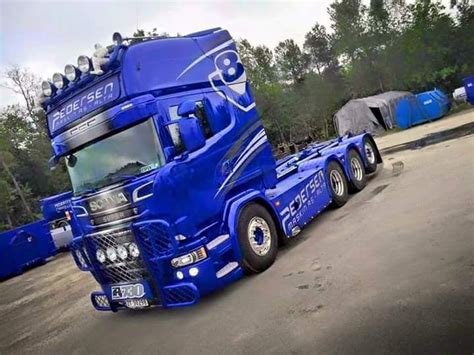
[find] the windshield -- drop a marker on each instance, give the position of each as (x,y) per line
(119,157)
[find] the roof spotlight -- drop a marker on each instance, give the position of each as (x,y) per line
(117,38)
(71,72)
(84,63)
(59,80)
(47,88)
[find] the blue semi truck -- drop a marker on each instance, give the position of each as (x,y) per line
(176,191)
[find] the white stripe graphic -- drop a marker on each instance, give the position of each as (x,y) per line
(250,144)
(242,160)
(213,50)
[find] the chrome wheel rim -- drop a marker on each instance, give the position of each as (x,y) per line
(259,236)
(356,169)
(369,152)
(337,183)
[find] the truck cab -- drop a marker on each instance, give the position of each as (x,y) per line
(166,152)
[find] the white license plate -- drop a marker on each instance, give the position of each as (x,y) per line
(137,303)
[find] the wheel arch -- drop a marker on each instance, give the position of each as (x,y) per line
(233,209)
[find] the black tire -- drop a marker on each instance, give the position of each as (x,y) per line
(337,184)
(370,152)
(251,218)
(356,171)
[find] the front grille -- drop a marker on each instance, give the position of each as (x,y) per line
(128,270)
(180,295)
(155,238)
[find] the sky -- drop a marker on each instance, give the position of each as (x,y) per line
(44,36)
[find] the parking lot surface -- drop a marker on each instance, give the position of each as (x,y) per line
(390,272)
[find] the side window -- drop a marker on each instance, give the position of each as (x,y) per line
(201,115)
(173,129)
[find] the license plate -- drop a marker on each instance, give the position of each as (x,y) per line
(123,292)
(137,303)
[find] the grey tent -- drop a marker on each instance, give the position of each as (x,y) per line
(374,114)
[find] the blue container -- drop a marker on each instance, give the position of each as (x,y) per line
(424,107)
(469,86)
(25,246)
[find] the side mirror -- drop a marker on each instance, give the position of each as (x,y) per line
(187,108)
(191,133)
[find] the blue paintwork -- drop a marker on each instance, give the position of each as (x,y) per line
(55,207)
(423,107)
(195,199)
(25,246)
(32,244)
(469,87)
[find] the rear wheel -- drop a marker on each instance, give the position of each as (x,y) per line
(258,238)
(370,155)
(357,171)
(337,185)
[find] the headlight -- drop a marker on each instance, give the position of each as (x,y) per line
(84,63)
(122,252)
(100,255)
(71,72)
(190,258)
(47,88)
(134,251)
(59,80)
(111,254)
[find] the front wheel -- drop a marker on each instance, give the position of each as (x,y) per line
(337,184)
(258,238)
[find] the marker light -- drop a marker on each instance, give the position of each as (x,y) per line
(71,72)
(133,249)
(100,256)
(122,252)
(190,258)
(179,275)
(59,80)
(193,271)
(84,63)
(111,254)
(47,88)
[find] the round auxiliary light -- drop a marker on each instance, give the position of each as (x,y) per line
(134,251)
(71,72)
(179,275)
(47,88)
(193,271)
(84,63)
(59,80)
(100,255)
(122,252)
(111,254)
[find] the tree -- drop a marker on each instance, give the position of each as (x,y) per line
(259,64)
(291,61)
(318,45)
(5,161)
(23,82)
(347,18)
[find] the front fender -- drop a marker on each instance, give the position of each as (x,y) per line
(232,212)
